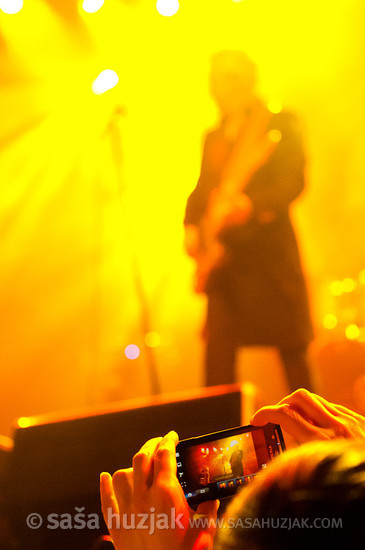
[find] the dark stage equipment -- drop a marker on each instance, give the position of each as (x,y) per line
(55,464)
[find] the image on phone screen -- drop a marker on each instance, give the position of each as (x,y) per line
(218,464)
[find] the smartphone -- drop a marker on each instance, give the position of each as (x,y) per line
(216,465)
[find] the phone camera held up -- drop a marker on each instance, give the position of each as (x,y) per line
(216,465)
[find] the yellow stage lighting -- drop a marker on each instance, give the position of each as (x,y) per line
(105,81)
(92,6)
(336,288)
(275,106)
(24,422)
(167,7)
(11,6)
(330,321)
(352,332)
(152,339)
(274,136)
(349,284)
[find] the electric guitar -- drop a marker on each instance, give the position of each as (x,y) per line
(228,205)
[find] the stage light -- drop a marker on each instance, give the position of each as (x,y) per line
(275,106)
(24,422)
(348,284)
(92,6)
(152,339)
(167,7)
(274,136)
(132,352)
(352,332)
(336,288)
(105,81)
(11,6)
(330,321)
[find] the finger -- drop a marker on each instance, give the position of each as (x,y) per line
(143,468)
(123,488)
(109,505)
(290,421)
(351,423)
(209,508)
(204,541)
(310,407)
(165,457)
(336,409)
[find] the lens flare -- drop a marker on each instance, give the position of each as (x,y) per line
(167,8)
(92,6)
(132,351)
(105,81)
(11,6)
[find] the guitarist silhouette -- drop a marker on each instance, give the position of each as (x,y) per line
(238,229)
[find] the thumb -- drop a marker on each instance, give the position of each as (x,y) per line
(209,508)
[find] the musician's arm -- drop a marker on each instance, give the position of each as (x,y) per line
(281,179)
(198,199)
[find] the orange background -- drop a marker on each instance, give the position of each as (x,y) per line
(91,203)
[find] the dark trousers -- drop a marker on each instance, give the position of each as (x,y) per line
(221,362)
(221,351)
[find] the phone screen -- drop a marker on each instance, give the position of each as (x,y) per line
(218,464)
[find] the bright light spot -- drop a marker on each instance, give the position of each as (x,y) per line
(202,450)
(348,285)
(336,288)
(275,106)
(234,442)
(11,6)
(132,351)
(167,7)
(105,81)
(152,339)
(362,277)
(352,332)
(24,422)
(92,6)
(215,450)
(330,321)
(275,136)
(237,1)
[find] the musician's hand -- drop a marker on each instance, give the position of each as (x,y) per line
(241,211)
(227,209)
(192,240)
(307,416)
(149,503)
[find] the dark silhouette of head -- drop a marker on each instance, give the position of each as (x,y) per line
(318,490)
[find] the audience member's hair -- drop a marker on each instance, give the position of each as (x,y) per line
(317,484)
